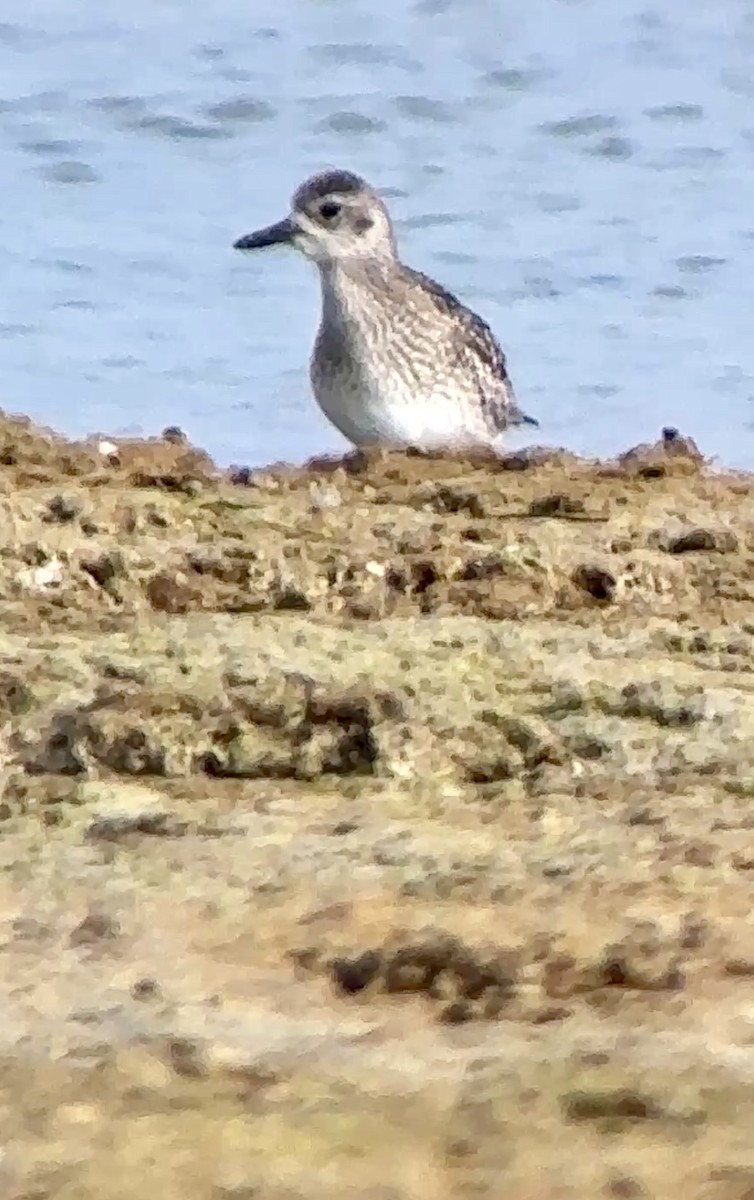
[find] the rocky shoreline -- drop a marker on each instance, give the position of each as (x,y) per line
(378,828)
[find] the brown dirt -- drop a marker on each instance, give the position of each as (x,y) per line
(379,828)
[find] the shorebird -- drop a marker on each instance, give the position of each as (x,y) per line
(398,360)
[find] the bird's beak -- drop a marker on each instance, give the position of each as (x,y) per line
(279,234)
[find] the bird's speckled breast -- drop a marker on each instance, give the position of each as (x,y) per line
(382,369)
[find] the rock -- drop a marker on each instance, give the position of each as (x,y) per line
(355,974)
(117,810)
(96,927)
(466,983)
(62,510)
(721,541)
(106,569)
(614,1105)
(556,505)
(168,594)
(597,582)
(672,452)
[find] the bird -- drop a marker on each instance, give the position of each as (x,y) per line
(398,361)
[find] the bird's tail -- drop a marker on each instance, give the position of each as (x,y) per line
(517,416)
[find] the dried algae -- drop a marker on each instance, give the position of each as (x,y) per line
(375,828)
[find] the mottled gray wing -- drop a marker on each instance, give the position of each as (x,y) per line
(481,354)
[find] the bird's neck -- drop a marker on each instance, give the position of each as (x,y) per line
(351,287)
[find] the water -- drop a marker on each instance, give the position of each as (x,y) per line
(581,172)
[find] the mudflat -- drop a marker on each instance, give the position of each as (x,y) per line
(379,828)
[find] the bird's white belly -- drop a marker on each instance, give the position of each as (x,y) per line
(370,412)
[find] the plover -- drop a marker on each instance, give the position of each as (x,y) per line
(398,360)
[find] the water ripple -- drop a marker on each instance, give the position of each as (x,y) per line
(571,127)
(617,149)
(178,128)
(511,79)
(241,109)
(684,113)
(422,108)
(69,171)
(49,147)
(356,54)
(351,123)
(698,264)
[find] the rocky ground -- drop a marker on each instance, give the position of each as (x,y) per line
(379,829)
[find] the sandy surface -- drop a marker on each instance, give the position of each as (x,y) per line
(379,830)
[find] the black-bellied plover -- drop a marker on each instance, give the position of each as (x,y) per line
(398,360)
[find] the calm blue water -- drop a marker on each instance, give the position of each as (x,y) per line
(582,173)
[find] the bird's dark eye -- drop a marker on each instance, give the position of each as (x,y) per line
(329,210)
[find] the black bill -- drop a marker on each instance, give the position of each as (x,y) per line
(278,234)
